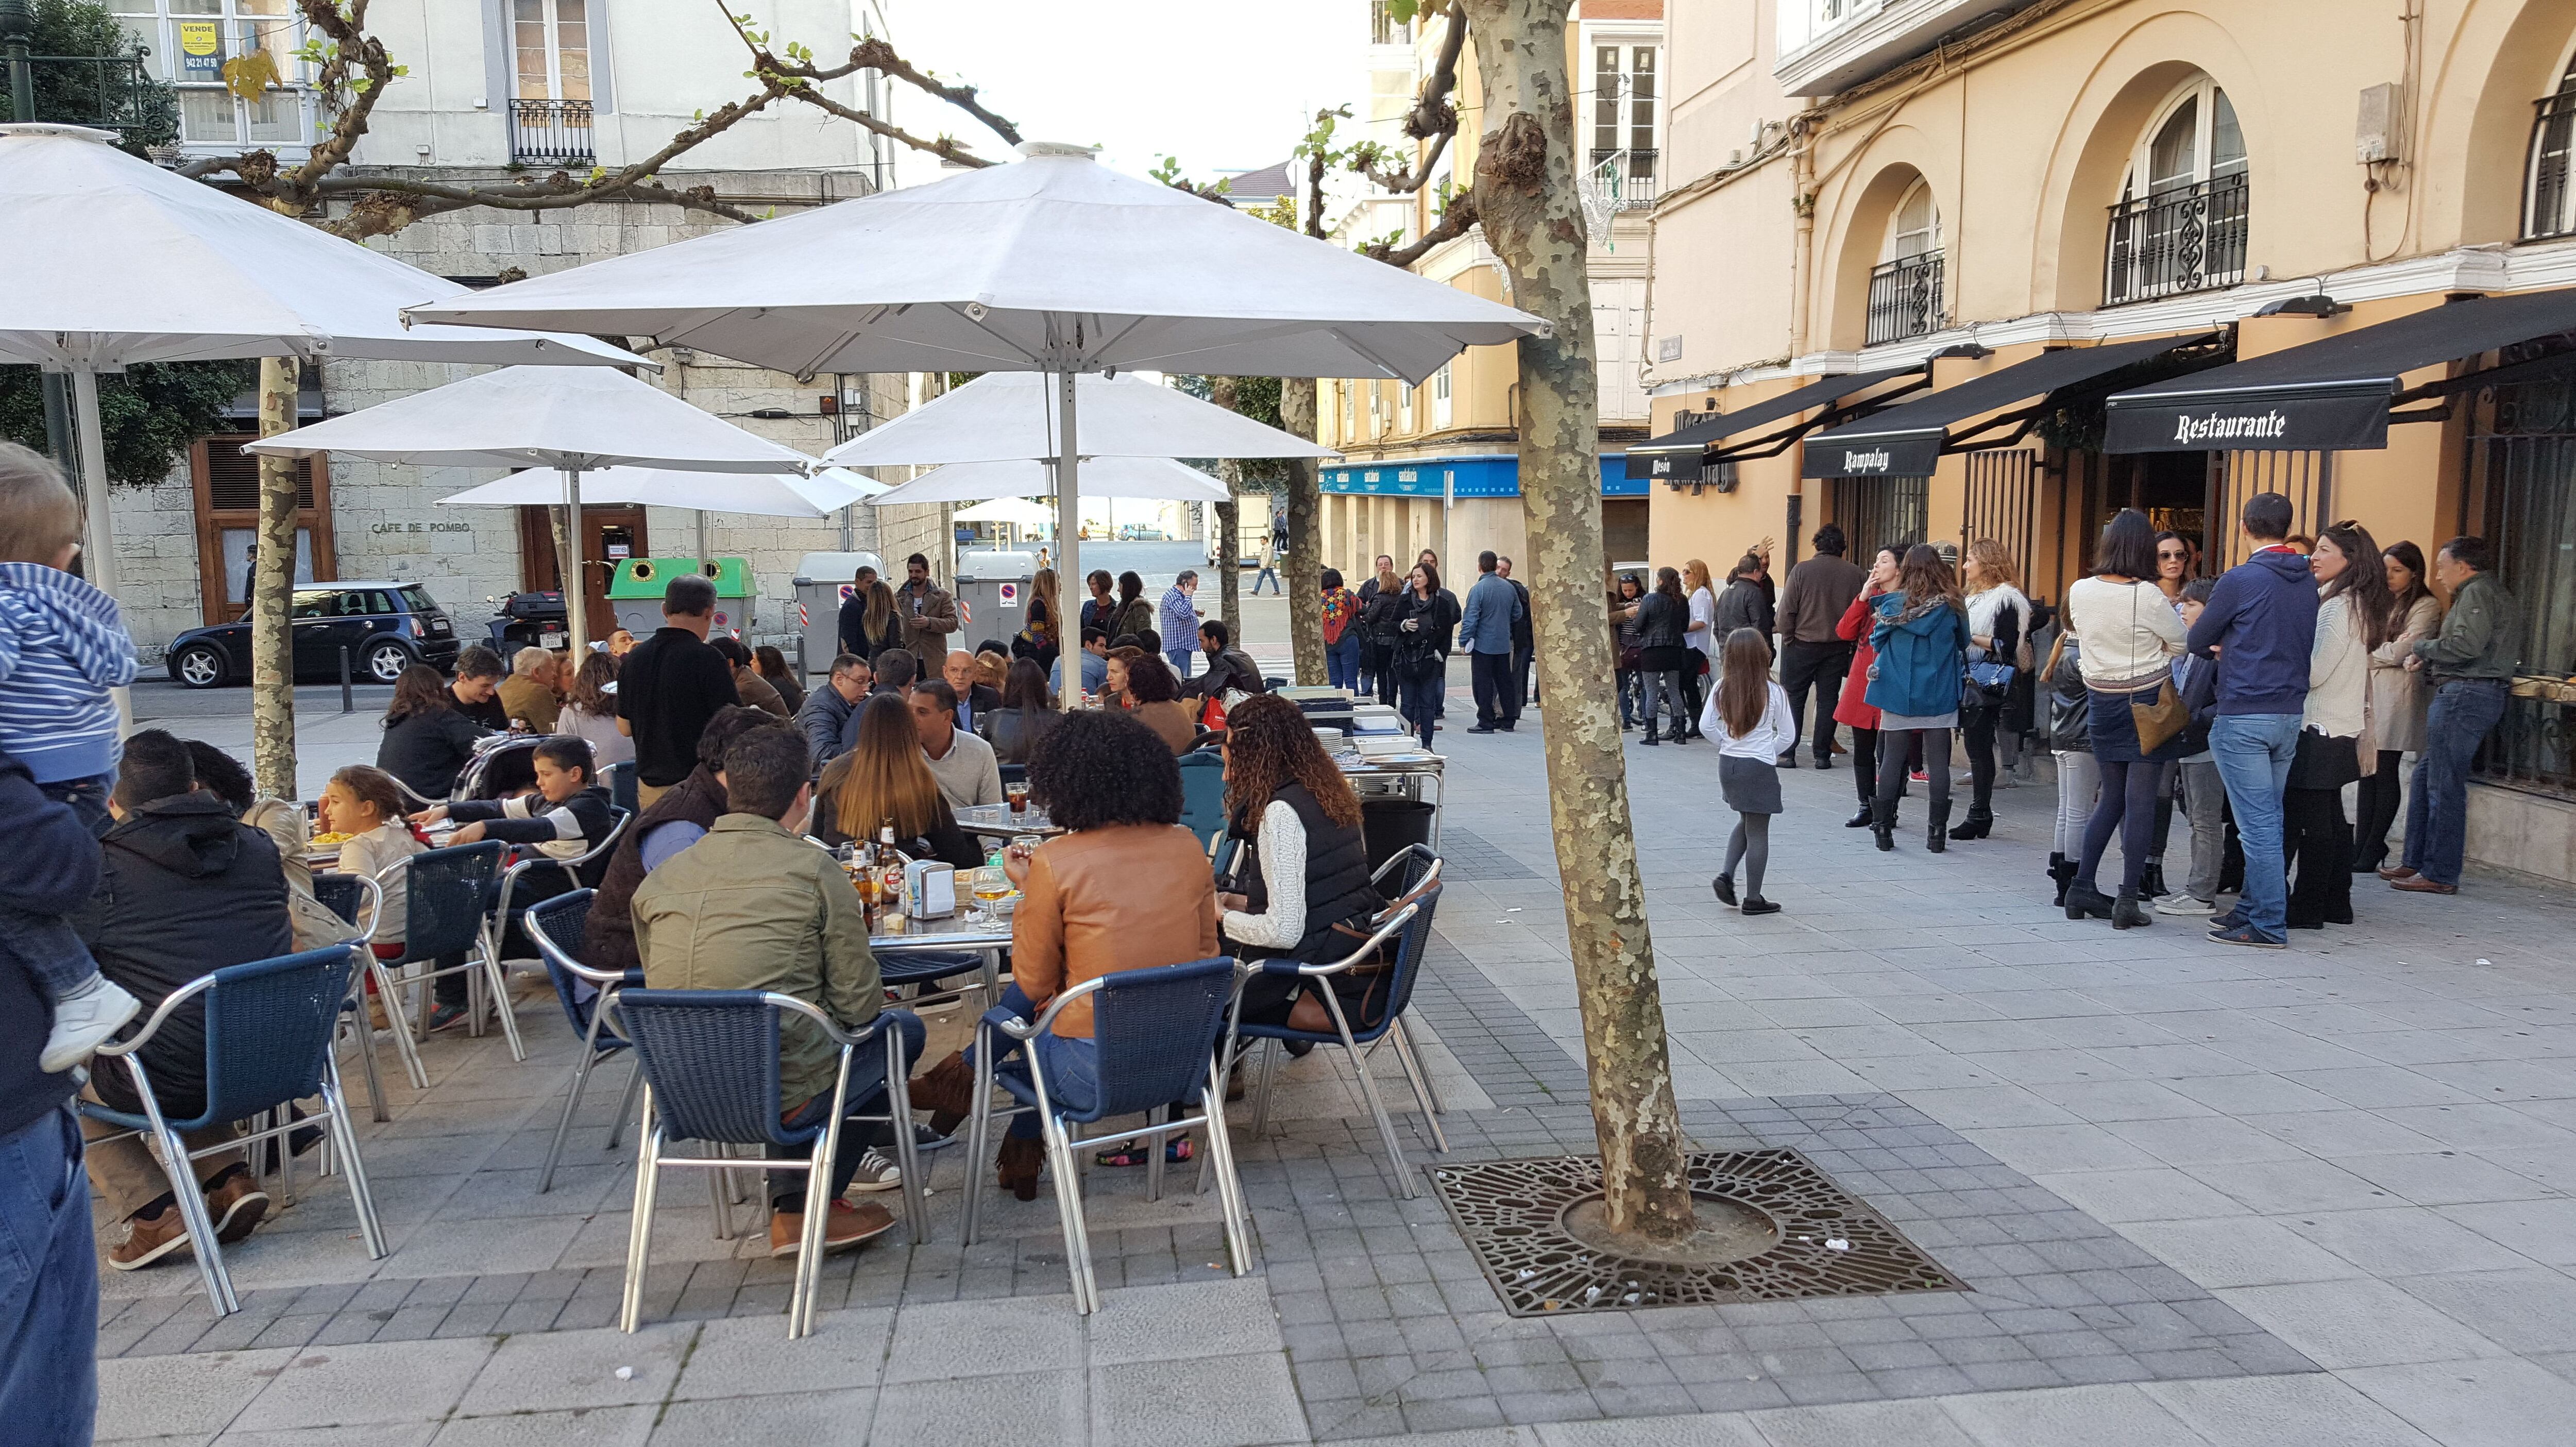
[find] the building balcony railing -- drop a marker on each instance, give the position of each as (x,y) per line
(550,133)
(1905,298)
(2190,238)
(2549,195)
(1627,177)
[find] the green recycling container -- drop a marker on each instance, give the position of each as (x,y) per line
(635,591)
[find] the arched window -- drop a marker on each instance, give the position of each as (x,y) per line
(2180,222)
(1905,286)
(2549,192)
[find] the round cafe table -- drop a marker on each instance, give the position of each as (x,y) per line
(996,821)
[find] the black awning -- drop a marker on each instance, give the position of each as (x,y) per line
(1681,449)
(2331,395)
(1907,441)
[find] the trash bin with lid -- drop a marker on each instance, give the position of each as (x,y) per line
(635,592)
(992,595)
(823,582)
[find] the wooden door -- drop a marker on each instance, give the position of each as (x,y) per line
(226,484)
(610,535)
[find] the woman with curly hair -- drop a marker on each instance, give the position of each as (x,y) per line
(1299,888)
(1146,691)
(1126,888)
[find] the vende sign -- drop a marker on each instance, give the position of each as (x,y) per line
(2209,427)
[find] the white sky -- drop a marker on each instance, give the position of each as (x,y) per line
(1225,86)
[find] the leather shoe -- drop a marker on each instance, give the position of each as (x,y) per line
(236,1206)
(2394,872)
(844,1226)
(1017,1166)
(1725,888)
(2418,884)
(150,1239)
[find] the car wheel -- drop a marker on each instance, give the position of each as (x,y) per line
(200,665)
(386,661)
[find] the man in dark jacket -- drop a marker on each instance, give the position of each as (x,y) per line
(1524,641)
(1227,666)
(2262,618)
(186,889)
(830,713)
(670,685)
(49,1303)
(2472,662)
(1812,654)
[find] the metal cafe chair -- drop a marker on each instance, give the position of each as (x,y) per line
(504,914)
(443,891)
(622,791)
(556,926)
(709,1060)
(268,1033)
(1410,926)
(357,899)
(1156,1031)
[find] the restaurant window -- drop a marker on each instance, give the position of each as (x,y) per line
(1905,286)
(2180,223)
(2525,463)
(1623,120)
(191,41)
(2549,191)
(225,480)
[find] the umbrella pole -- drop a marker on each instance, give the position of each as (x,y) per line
(98,552)
(576,596)
(1068,492)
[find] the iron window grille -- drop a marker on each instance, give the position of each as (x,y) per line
(551,132)
(1905,298)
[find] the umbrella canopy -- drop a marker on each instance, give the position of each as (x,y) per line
(1009,415)
(761,495)
(1053,264)
(1017,511)
(574,419)
(1130,477)
(111,260)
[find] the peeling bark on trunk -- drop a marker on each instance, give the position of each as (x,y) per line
(1229,523)
(1525,195)
(272,593)
(1301,572)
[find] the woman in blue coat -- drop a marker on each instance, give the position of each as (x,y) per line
(1921,639)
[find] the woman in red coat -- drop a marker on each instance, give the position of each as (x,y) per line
(1851,708)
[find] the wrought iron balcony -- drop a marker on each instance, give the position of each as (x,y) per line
(550,132)
(1905,298)
(2189,238)
(1626,176)
(2549,197)
(108,92)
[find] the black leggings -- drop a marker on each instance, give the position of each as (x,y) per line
(2377,811)
(2127,805)
(1864,762)
(1749,845)
(2318,844)
(1935,744)
(1691,686)
(1978,724)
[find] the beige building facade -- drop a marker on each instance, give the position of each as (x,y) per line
(1873,202)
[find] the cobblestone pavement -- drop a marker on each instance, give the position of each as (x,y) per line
(2198,1196)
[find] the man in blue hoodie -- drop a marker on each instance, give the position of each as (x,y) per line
(2262,618)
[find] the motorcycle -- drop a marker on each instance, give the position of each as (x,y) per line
(529,618)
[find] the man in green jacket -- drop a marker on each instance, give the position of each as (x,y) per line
(2473,661)
(754,907)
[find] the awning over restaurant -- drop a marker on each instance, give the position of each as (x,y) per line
(2330,395)
(1679,452)
(1907,441)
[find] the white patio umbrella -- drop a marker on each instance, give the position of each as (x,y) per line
(109,260)
(1133,477)
(760,494)
(1003,416)
(1053,264)
(576,420)
(1017,511)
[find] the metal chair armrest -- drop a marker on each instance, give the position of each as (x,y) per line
(867,1034)
(1387,929)
(172,1001)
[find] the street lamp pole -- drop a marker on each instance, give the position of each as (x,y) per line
(17,34)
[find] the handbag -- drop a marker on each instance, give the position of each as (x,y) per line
(2160,720)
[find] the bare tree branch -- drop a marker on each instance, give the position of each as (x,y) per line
(945,148)
(1456,220)
(797,75)
(1433,117)
(875,53)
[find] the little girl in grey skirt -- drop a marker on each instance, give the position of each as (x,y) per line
(1748,715)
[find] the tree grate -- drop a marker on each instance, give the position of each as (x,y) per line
(1800,1236)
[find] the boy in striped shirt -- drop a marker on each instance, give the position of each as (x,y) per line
(62,649)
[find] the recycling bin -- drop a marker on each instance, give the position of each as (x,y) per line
(823,583)
(635,592)
(992,595)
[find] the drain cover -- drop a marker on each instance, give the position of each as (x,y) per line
(1773,1228)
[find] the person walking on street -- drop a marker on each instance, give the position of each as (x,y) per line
(1422,648)
(1921,638)
(1372,654)
(1814,653)
(670,685)
(927,612)
(1270,560)
(1749,717)
(1381,605)
(2070,741)
(2472,663)
(1699,634)
(1341,633)
(2398,700)
(1524,640)
(2354,616)
(1662,655)
(1178,621)
(2204,798)
(1485,630)
(1626,645)
(2262,623)
(853,626)
(1853,707)
(2128,635)
(1998,617)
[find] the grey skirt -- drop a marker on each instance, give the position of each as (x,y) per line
(1749,786)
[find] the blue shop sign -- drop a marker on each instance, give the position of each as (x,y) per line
(1486,475)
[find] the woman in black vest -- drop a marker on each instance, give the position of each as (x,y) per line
(1300,884)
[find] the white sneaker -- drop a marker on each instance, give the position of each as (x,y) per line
(877,1172)
(83,1023)
(2183,904)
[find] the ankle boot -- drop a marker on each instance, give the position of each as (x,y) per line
(1938,839)
(947,1091)
(1979,824)
(2061,869)
(2151,881)
(2127,914)
(1882,824)
(2083,899)
(2054,860)
(1651,736)
(1859,820)
(1017,1166)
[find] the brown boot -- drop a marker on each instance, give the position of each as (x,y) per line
(1019,1164)
(947,1091)
(236,1205)
(155,1237)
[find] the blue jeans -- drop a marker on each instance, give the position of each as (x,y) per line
(1072,1063)
(867,1088)
(2253,753)
(1423,684)
(48,1286)
(1342,661)
(1269,574)
(1180,658)
(2437,817)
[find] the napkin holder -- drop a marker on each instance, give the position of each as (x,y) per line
(930,889)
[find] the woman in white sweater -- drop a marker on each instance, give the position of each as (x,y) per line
(1749,717)
(2354,615)
(1998,619)
(2126,637)
(2399,700)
